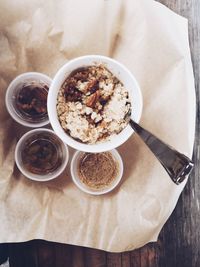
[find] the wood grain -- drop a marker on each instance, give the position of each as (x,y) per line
(95,258)
(179,241)
(181,234)
(63,255)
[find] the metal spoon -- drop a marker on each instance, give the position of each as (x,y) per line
(177,165)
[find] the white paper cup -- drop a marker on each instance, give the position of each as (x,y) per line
(42,177)
(75,176)
(122,73)
(13,90)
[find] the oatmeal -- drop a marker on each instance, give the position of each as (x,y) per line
(93,105)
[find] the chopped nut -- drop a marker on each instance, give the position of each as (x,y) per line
(92,99)
(93,86)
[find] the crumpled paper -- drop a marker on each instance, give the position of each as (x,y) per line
(152,42)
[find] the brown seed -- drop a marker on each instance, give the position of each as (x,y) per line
(93,86)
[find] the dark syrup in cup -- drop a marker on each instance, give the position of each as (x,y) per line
(31,101)
(42,153)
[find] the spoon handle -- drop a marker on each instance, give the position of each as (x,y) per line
(177,165)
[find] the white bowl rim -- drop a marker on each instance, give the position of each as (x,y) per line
(83,188)
(93,148)
(34,176)
(13,84)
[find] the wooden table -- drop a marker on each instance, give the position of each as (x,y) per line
(179,241)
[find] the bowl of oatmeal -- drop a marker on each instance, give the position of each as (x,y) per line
(90,101)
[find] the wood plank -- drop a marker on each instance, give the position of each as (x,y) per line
(3,253)
(77,257)
(160,255)
(63,255)
(94,257)
(126,259)
(46,254)
(114,260)
(23,254)
(135,258)
(153,255)
(181,233)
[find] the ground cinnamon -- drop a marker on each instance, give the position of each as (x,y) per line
(97,170)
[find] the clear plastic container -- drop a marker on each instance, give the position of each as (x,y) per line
(21,94)
(76,178)
(41,155)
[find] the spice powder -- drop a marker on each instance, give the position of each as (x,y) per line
(98,170)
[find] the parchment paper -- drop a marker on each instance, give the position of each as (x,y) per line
(152,42)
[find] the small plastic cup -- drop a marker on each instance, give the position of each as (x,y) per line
(75,176)
(60,149)
(12,94)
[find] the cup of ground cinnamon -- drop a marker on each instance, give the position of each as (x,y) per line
(26,99)
(96,173)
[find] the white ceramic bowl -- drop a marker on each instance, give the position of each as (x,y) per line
(75,177)
(122,73)
(13,90)
(42,177)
